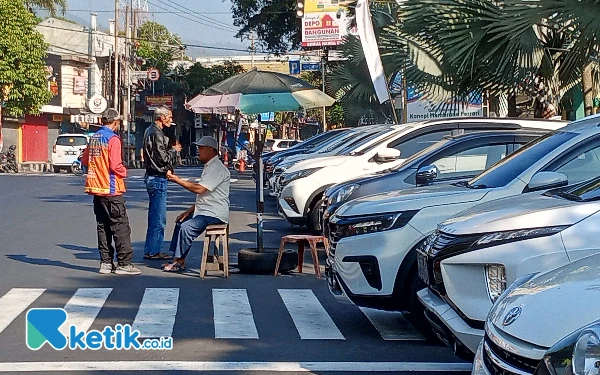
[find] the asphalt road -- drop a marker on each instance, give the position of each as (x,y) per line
(254,324)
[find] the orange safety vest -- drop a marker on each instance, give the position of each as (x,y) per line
(100,180)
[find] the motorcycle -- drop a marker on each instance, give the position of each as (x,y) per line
(77,167)
(8,161)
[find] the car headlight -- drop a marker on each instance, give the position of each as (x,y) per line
(517,235)
(342,195)
(354,226)
(286,178)
(495,276)
(586,354)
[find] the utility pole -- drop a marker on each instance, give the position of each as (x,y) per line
(323,64)
(127,101)
(252,50)
(116,56)
(91,57)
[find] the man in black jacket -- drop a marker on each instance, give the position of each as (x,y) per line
(158,159)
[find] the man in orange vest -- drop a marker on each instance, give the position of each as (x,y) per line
(105,182)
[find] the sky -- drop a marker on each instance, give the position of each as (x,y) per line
(200,22)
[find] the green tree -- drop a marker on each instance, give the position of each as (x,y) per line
(273,23)
(51,5)
(157,45)
(198,77)
(23,85)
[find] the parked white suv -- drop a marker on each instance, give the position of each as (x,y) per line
(374,239)
(545,325)
(469,261)
(301,199)
(279,144)
(66,150)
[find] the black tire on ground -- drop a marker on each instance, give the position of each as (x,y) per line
(417,310)
(315,219)
(249,261)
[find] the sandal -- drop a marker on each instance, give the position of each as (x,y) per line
(175,267)
(158,256)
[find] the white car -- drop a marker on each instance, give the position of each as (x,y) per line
(545,325)
(66,150)
(279,144)
(372,260)
(468,262)
(301,198)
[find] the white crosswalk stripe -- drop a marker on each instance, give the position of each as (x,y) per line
(392,325)
(83,308)
(13,303)
(156,315)
(309,316)
(233,315)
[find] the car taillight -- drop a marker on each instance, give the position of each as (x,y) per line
(54,149)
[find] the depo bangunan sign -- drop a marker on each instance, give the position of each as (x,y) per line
(323,24)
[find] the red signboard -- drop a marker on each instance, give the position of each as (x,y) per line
(159,101)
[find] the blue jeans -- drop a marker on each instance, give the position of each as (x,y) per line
(157,214)
(187,231)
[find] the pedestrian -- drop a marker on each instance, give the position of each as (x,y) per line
(158,159)
(105,182)
(211,207)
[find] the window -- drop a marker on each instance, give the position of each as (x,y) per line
(469,162)
(71,141)
(411,146)
(583,166)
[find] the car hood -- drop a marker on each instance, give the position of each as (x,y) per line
(411,199)
(532,210)
(358,181)
(318,162)
(556,303)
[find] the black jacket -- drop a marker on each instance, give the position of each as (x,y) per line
(157,158)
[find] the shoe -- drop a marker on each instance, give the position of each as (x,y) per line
(106,268)
(128,270)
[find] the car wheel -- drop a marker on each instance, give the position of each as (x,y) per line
(314,218)
(252,262)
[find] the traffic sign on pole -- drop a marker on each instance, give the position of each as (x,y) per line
(153,74)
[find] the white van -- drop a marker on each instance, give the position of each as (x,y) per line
(66,150)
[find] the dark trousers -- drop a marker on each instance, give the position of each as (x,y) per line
(112,223)
(187,231)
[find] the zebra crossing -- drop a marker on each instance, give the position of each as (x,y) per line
(233,315)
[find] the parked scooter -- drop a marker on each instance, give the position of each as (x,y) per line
(77,167)
(8,161)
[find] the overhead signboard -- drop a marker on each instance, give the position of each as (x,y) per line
(139,75)
(311,66)
(323,29)
(154,101)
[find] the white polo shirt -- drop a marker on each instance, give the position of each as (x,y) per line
(215,202)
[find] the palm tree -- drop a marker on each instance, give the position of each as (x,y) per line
(50,5)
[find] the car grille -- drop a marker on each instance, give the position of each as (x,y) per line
(443,245)
(524,364)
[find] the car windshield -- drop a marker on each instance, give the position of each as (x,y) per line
(338,142)
(507,169)
(361,141)
(354,151)
(71,141)
(582,192)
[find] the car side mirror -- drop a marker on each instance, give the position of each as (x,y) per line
(387,155)
(547,180)
(426,174)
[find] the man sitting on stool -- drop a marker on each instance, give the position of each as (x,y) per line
(212,202)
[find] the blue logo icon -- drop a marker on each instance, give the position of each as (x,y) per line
(43,326)
(512,315)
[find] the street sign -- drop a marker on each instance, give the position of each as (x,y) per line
(97,104)
(139,75)
(294,66)
(153,74)
(311,66)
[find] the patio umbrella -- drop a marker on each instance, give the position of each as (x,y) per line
(259,91)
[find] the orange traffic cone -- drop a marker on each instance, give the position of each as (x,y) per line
(242,165)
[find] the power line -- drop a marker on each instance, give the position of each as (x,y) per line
(181,7)
(197,20)
(156,11)
(158,41)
